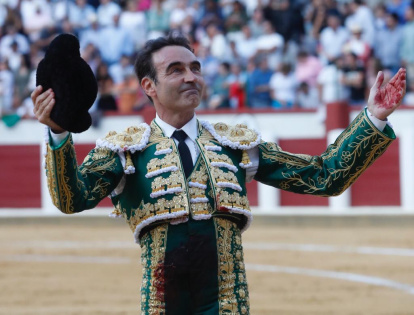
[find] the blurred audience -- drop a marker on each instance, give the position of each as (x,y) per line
(254,53)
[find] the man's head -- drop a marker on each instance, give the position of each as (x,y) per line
(391,20)
(334,21)
(409,13)
(170,74)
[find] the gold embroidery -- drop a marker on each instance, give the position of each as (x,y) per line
(196,192)
(233,200)
(200,176)
(221,176)
(163,145)
(201,208)
(161,206)
(153,246)
(370,137)
(163,183)
(233,293)
(239,133)
(215,157)
(129,137)
(99,161)
(60,191)
(164,162)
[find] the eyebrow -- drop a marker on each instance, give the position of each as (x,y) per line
(179,63)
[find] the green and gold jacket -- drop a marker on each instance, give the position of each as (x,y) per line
(141,170)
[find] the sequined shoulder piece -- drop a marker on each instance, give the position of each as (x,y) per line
(236,137)
(132,139)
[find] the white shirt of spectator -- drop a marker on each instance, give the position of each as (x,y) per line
(332,41)
(332,89)
(284,86)
(106,13)
(365,19)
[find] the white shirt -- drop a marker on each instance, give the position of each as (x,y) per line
(284,86)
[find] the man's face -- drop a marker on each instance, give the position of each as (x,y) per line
(180,85)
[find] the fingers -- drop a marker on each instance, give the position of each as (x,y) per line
(36,92)
(43,104)
(379,80)
(398,77)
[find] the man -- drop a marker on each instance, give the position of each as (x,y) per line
(388,44)
(180,183)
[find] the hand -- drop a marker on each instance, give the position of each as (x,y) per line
(43,105)
(382,101)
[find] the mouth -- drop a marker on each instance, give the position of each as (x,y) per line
(191,91)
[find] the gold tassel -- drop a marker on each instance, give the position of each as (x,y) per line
(245,158)
(128,162)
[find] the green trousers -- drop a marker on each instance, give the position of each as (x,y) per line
(194,268)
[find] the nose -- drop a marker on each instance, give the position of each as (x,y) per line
(190,76)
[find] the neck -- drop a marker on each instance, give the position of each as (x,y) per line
(177,120)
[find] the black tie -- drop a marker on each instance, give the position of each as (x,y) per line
(185,154)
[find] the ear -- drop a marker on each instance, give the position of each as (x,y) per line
(148,86)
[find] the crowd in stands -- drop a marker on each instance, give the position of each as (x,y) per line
(276,54)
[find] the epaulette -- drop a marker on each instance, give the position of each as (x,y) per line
(236,137)
(132,139)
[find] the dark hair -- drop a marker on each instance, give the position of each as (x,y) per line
(144,66)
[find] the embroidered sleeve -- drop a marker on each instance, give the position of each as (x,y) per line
(74,189)
(332,172)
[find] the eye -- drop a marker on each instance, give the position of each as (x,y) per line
(196,69)
(176,70)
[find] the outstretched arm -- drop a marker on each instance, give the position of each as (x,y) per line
(383,100)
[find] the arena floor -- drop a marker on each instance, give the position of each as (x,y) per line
(90,265)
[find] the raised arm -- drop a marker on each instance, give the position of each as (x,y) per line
(344,161)
(75,188)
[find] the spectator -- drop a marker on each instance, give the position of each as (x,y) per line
(36,16)
(357,45)
(283,85)
(80,13)
(105,100)
(211,14)
(217,43)
(307,68)
(90,35)
(127,94)
(12,36)
(380,13)
(121,42)
(220,89)
(332,39)
(256,23)
(135,23)
(354,79)
(6,89)
(118,71)
(237,85)
(106,12)
(364,18)
(180,14)
(246,45)
(270,45)
(237,17)
(407,47)
(279,13)
(388,44)
(209,64)
(258,89)
(398,7)
(330,88)
(307,97)
(158,19)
